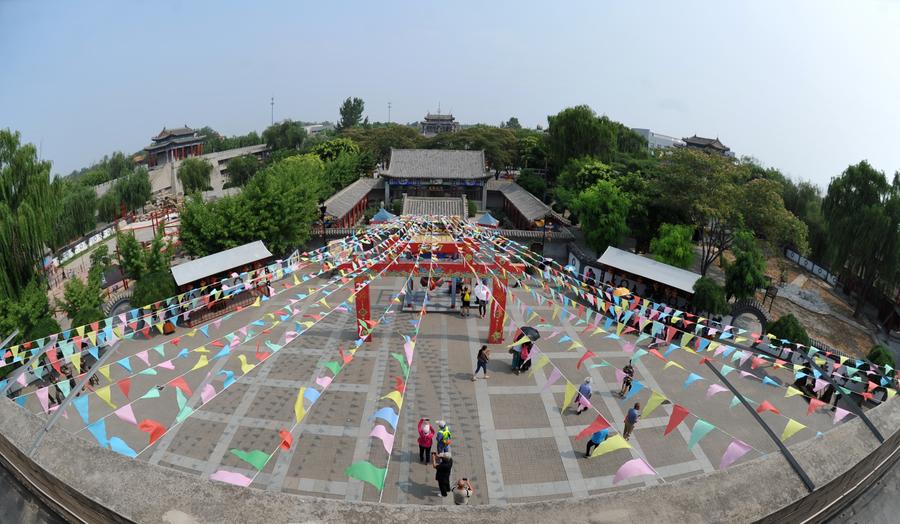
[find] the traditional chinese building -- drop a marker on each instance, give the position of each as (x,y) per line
(436,173)
(435,124)
(710,145)
(174,144)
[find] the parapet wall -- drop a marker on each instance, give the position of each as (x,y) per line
(81,480)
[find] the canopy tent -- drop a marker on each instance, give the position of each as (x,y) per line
(487,220)
(649,269)
(382,216)
(220,262)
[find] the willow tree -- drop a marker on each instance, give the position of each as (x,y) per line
(26,215)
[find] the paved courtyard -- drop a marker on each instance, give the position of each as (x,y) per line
(510,438)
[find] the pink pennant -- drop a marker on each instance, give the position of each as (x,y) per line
(820,385)
(231,478)
(324,382)
(127,414)
(408,348)
(554,376)
(166,365)
(143,356)
(207,393)
(620,376)
(713,389)
(628,347)
(21,380)
(839,414)
(735,450)
(633,468)
(387,439)
(44,396)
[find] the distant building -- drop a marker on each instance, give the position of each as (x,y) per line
(315,129)
(436,123)
(174,144)
(710,145)
(657,140)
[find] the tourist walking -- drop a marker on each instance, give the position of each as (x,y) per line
(626,380)
(631,419)
(426,438)
(484,355)
(444,437)
(482,307)
(584,396)
(443,464)
(466,298)
(596,439)
(462,491)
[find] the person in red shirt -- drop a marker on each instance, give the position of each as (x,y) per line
(426,438)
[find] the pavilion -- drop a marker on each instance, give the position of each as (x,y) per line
(437,173)
(174,144)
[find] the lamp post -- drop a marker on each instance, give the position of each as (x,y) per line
(322,208)
(544,223)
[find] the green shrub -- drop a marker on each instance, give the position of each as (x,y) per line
(789,328)
(709,297)
(881,355)
(473,208)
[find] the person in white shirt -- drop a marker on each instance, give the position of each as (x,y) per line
(462,491)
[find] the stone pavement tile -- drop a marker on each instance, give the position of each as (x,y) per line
(359,370)
(528,461)
(273,404)
(248,439)
(227,400)
(198,438)
(321,457)
(290,366)
(518,412)
(337,408)
(662,450)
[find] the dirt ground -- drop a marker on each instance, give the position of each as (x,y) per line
(852,338)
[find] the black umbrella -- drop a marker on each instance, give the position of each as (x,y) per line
(531,333)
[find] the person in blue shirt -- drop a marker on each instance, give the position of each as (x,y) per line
(631,419)
(596,439)
(584,396)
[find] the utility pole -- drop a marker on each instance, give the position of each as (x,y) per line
(389,112)
(272,104)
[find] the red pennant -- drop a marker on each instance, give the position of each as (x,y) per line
(755,362)
(218,344)
(179,383)
(146,332)
(286,439)
(345,358)
(95,326)
(678,415)
(51,355)
(261,356)
(767,406)
(27,345)
(125,386)
(670,332)
(175,341)
(598,424)
(154,428)
(587,354)
(400,385)
(872,386)
(867,396)
(704,360)
(814,404)
(655,353)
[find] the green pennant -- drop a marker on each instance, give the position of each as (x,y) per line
(701,428)
(255,458)
(402,360)
(367,472)
(333,366)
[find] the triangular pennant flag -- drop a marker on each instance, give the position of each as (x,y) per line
(255,458)
(735,450)
(767,406)
(633,468)
(613,443)
(367,472)
(569,395)
(792,427)
(396,397)
(598,424)
(700,430)
(677,416)
(299,410)
(653,402)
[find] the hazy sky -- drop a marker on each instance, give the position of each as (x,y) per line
(805,86)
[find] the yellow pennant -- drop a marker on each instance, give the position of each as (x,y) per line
(653,402)
(570,395)
(76,362)
(202,349)
(299,410)
(201,363)
(791,391)
(245,367)
(790,429)
(611,444)
(257,302)
(92,337)
(543,361)
(80,331)
(104,394)
(396,397)
(104,370)
(673,363)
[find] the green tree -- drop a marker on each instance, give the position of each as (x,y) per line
(343,170)
(351,113)
(334,148)
(108,206)
(578,175)
(131,254)
(29,313)
(75,212)
(748,271)
(154,281)
(709,297)
(602,210)
(577,132)
(789,328)
(379,140)
(134,189)
(194,174)
(213,141)
(241,169)
(862,212)
(100,257)
(83,302)
(499,145)
(882,356)
(285,135)
(26,212)
(532,182)
(673,245)
(532,149)
(512,123)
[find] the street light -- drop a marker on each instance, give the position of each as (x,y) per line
(545,222)
(322,208)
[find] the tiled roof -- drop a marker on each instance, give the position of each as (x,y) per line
(699,141)
(343,201)
(648,268)
(437,163)
(178,131)
(174,140)
(527,204)
(443,206)
(219,262)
